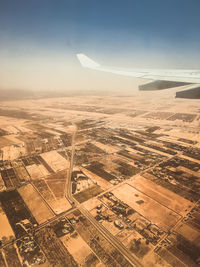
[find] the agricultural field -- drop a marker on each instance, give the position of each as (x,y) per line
(105,180)
(35,203)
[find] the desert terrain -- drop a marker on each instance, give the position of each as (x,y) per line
(100,180)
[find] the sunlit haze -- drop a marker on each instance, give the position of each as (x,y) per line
(39,40)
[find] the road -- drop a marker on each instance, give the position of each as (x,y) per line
(105,233)
(68,184)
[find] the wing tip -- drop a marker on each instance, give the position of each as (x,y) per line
(87,62)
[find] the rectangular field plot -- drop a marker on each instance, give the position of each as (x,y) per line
(35,203)
(185,117)
(20,170)
(56,253)
(6,231)
(103,183)
(9,177)
(147,207)
(189,233)
(37,171)
(57,202)
(15,210)
(79,249)
(55,160)
(158,115)
(162,195)
(139,249)
(88,193)
(56,182)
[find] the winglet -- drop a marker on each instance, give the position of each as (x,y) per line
(87,62)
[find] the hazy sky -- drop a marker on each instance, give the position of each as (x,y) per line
(39,40)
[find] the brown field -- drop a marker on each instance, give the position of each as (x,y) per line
(184,169)
(189,233)
(35,203)
(55,160)
(151,209)
(77,247)
(13,152)
(111,227)
(5,229)
(57,203)
(158,115)
(57,186)
(100,181)
(5,141)
(124,234)
(14,139)
(11,129)
(153,260)
(88,193)
(12,256)
(60,205)
(160,194)
(107,148)
(139,250)
(21,171)
(54,250)
(37,171)
(91,203)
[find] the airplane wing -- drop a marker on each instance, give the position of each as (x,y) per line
(162,79)
(185,76)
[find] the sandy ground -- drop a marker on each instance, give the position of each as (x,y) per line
(35,203)
(149,208)
(55,160)
(161,195)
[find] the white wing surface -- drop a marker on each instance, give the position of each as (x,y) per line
(173,75)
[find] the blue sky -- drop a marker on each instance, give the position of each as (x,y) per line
(131,33)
